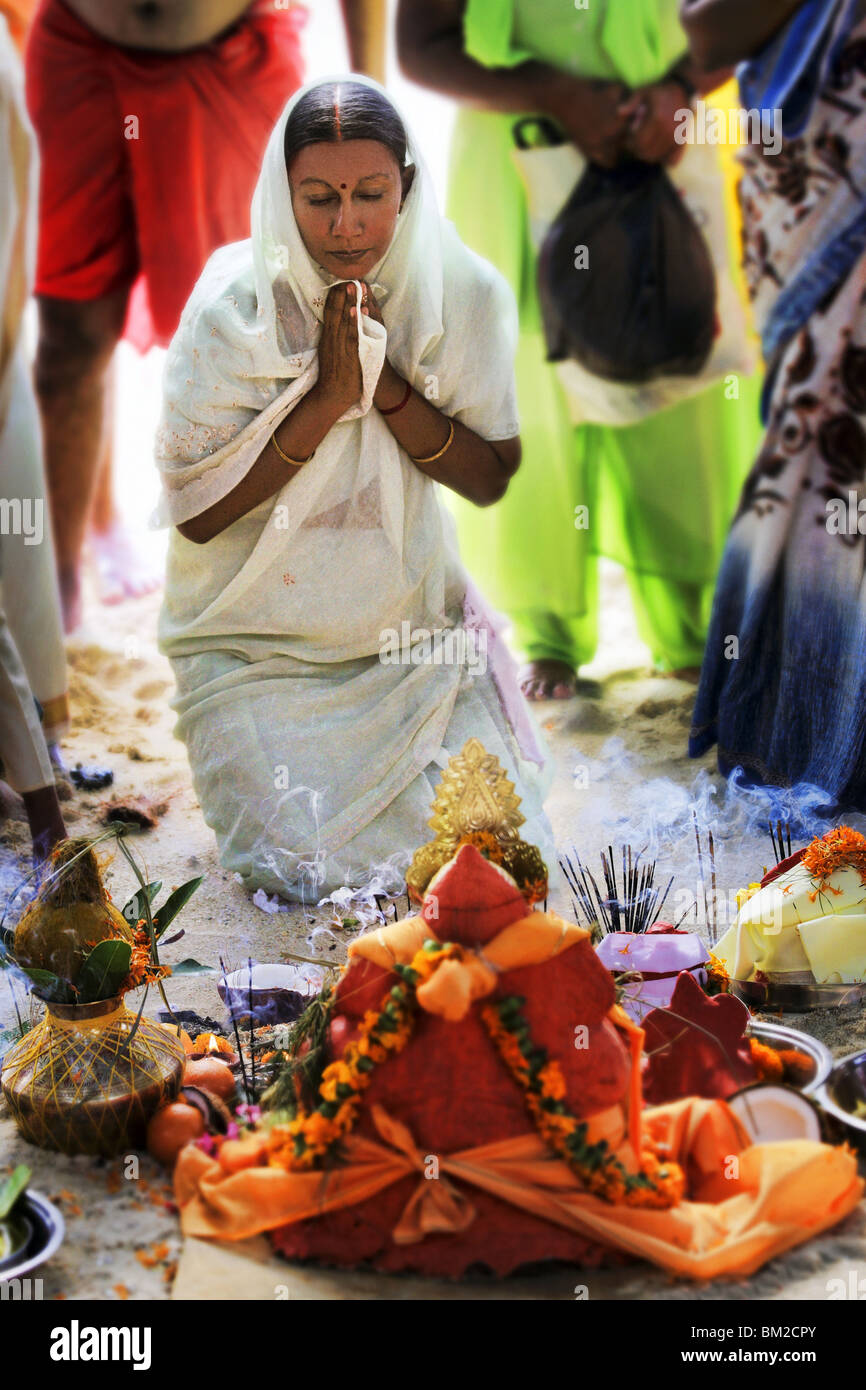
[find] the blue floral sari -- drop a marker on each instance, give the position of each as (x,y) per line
(783,685)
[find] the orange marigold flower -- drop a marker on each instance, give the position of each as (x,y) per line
(552,1081)
(319,1131)
(368,1047)
(486,843)
(560,1126)
(338,1072)
(841,847)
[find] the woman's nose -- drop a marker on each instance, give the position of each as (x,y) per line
(347,220)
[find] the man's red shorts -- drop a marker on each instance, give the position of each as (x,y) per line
(149,160)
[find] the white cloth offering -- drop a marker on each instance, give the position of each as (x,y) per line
(315,729)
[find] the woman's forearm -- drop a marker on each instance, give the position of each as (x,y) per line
(470,466)
(697,80)
(724,32)
(299,435)
(431,52)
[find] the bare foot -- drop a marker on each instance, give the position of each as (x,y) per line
(548,680)
(123,568)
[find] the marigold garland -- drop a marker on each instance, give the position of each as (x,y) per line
(600,1171)
(314,1134)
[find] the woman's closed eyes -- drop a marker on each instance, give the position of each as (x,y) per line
(368,197)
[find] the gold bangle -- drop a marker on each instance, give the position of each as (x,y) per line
(296,463)
(441,451)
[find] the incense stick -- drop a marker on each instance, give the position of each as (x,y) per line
(252,1032)
(230,994)
(700,864)
(713,883)
(630,905)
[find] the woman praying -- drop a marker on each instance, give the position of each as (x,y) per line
(326,375)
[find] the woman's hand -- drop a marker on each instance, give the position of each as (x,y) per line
(651,115)
(340,380)
(369,305)
(591,115)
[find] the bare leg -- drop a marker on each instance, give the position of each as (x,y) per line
(123,568)
(45,818)
(104,513)
(76,341)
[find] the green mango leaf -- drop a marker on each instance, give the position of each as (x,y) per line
(48,985)
(12,1188)
(135,907)
(173,904)
(104,971)
(192,967)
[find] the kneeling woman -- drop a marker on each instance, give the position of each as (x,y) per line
(326,375)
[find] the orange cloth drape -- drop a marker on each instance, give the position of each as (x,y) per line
(747,1203)
(18,15)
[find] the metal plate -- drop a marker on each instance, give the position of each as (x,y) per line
(846,1085)
(797,999)
(778,1036)
(48,1231)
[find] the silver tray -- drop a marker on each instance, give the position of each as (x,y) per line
(797,999)
(48,1232)
(778,1036)
(846,1085)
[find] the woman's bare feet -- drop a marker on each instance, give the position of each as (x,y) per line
(548,680)
(123,568)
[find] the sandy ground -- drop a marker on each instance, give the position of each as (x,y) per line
(622,777)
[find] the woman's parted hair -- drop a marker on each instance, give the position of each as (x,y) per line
(338,111)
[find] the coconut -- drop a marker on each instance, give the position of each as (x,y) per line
(772,1112)
(70,915)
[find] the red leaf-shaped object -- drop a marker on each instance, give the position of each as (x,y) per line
(697,1046)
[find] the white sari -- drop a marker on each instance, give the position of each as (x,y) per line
(315,761)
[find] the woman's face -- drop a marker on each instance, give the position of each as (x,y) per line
(346,199)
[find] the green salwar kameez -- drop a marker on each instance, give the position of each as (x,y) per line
(659,495)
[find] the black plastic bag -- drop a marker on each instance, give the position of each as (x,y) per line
(644,306)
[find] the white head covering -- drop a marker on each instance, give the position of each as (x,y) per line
(245,351)
(291,288)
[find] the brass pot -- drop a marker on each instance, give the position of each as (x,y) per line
(77,1084)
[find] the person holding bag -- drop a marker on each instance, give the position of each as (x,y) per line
(655,495)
